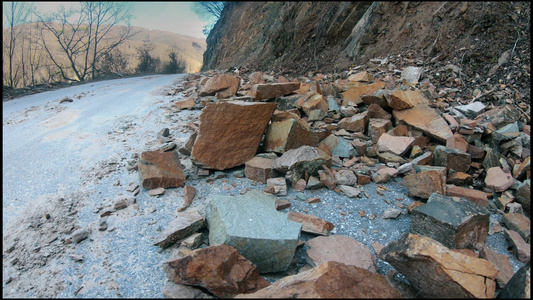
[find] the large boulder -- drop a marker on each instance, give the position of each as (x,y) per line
(424,118)
(425,183)
(273,90)
(230,133)
(224,84)
(252,225)
(160,170)
(288,134)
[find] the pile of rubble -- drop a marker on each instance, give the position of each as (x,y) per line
(463,161)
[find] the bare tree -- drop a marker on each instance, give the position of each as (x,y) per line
(209,11)
(16,13)
(85,35)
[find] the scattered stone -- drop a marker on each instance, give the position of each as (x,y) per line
(187,103)
(276,186)
(515,208)
(455,222)
(282,204)
(518,223)
(329,280)
(300,185)
(345,177)
(498,180)
(352,96)
(471,110)
(478,197)
(172,290)
(445,272)
(377,127)
(452,159)
(80,235)
(341,249)
(520,248)
(314,183)
(356,123)
(194,241)
(189,193)
(220,269)
(155,192)
(398,145)
(313,200)
(336,145)
(400,100)
(425,183)
(161,169)
(424,118)
(121,204)
(391,213)
(183,225)
(299,161)
(252,225)
(224,84)
(519,286)
(523,195)
(311,224)
(410,75)
(132,187)
(350,191)
(273,90)
(288,134)
(222,142)
(259,169)
(501,262)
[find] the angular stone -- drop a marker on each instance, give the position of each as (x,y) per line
(524,169)
(389,157)
(182,226)
(359,146)
(355,123)
(501,262)
(391,213)
(377,127)
(256,78)
(225,84)
(519,287)
(411,75)
(361,76)
(160,169)
(424,118)
(340,248)
(424,184)
(452,159)
(259,169)
(80,235)
(301,160)
(282,204)
(400,130)
(155,192)
(329,280)
(288,134)
(336,145)
(314,183)
(313,101)
(189,193)
(252,225)
(471,110)
(350,191)
(492,159)
(381,177)
(273,90)
(363,179)
(172,290)
(352,96)
(276,186)
(185,104)
(376,112)
(398,145)
(519,223)
(459,178)
(346,177)
(311,224)
(453,221)
(457,142)
(220,269)
(523,195)
(497,180)
(520,248)
(434,270)
(400,100)
(478,197)
(230,133)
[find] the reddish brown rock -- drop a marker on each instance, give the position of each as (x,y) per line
(523,169)
(352,96)
(398,145)
(282,204)
(457,142)
(311,224)
(434,270)
(172,290)
(478,197)
(329,280)
(400,130)
(376,112)
(185,104)
(362,76)
(273,90)
(501,262)
(341,249)
(363,179)
(519,287)
(498,180)
(459,178)
(256,78)
(452,159)
(226,85)
(230,133)
(519,223)
(189,193)
(313,101)
(220,269)
(377,127)
(425,183)
(182,226)
(520,248)
(400,100)
(355,123)
(259,169)
(424,118)
(160,169)
(288,134)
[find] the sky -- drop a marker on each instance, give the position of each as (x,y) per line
(175,17)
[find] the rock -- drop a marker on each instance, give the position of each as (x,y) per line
(172,290)
(336,145)
(501,262)
(381,177)
(389,157)
(459,143)
(423,159)
(411,75)
(311,224)
(519,286)
(340,248)
(398,145)
(303,159)
(223,143)
(194,241)
(276,186)
(363,179)
(121,204)
(314,183)
(220,269)
(355,123)
(471,110)
(478,197)
(523,195)
(288,134)
(352,96)
(424,184)
(300,185)
(156,192)
(459,178)
(259,169)
(225,85)
(424,118)
(455,222)
(179,228)
(515,208)
(361,77)
(282,204)
(452,159)
(185,103)
(434,270)
(273,90)
(400,100)
(391,213)
(160,169)
(189,193)
(311,102)
(375,111)
(498,180)
(80,235)
(329,280)
(523,169)
(519,247)
(346,177)
(518,223)
(377,127)
(359,146)
(252,225)
(350,191)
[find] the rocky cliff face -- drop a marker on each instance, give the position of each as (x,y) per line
(296,37)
